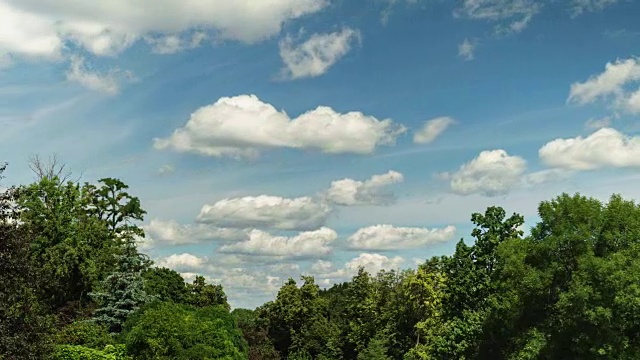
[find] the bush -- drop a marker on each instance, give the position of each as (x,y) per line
(78,352)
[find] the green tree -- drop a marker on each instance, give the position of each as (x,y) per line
(175,331)
(24,325)
(165,284)
(201,294)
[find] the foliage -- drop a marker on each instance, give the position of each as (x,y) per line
(201,294)
(122,292)
(24,325)
(77,352)
(165,285)
(85,333)
(175,331)
(255,332)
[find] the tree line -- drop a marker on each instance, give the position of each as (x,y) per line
(76,287)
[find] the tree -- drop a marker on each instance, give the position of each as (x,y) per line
(166,285)
(254,331)
(112,204)
(201,294)
(175,331)
(72,250)
(24,324)
(122,293)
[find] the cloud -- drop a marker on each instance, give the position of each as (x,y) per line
(166,169)
(79,72)
(466,49)
(170,232)
(321,266)
(316,55)
(546,176)
(611,84)
(306,244)
(598,123)
(374,191)
(183,262)
(41,28)
(491,173)
(578,7)
(171,44)
(432,129)
(373,263)
(606,147)
(388,237)
(511,15)
(240,126)
(303,213)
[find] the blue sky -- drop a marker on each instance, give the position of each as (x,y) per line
(269,139)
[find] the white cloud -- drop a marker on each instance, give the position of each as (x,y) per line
(321,266)
(546,176)
(171,44)
(511,15)
(492,173)
(240,126)
(388,237)
(374,191)
(316,55)
(106,27)
(306,244)
(170,232)
(183,262)
(373,263)
(303,213)
(432,129)
(466,49)
(606,147)
(166,169)
(598,123)
(78,72)
(579,7)
(612,84)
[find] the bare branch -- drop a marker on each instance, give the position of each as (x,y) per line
(52,169)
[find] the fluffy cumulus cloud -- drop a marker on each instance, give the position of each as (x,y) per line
(171,233)
(491,173)
(373,263)
(388,237)
(317,54)
(306,244)
(326,274)
(41,28)
(466,49)
(432,129)
(510,15)
(183,262)
(264,211)
(242,125)
(606,147)
(374,191)
(619,82)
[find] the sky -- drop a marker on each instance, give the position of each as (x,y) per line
(270,139)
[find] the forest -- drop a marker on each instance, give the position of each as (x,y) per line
(75,286)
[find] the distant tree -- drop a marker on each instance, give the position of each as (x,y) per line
(201,294)
(166,285)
